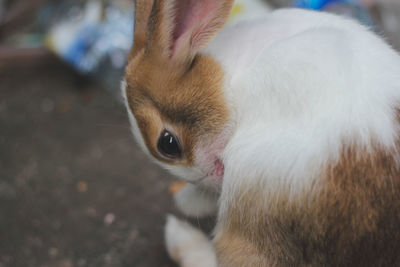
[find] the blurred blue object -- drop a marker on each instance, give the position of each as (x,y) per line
(314,4)
(93,37)
(349,8)
(77,53)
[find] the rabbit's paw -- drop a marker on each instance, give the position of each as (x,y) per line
(187,245)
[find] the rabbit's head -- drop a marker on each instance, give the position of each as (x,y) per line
(174,94)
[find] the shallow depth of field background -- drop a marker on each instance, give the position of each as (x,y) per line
(75,189)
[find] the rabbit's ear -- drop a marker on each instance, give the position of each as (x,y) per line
(179,29)
(142,14)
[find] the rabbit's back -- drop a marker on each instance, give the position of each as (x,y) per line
(306,85)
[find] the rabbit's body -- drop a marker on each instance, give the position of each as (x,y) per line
(321,185)
(293,119)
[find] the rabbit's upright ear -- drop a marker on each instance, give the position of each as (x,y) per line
(142,14)
(178,29)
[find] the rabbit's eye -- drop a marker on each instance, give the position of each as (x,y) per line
(169,146)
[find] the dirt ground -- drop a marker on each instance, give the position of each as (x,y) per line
(75,190)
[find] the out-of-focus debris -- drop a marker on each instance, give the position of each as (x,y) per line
(94,37)
(176,186)
(109,219)
(82,187)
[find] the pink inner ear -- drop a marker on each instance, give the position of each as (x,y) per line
(191,19)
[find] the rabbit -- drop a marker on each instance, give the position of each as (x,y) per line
(287,128)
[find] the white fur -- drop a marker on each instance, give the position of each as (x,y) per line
(134,126)
(194,201)
(187,245)
(301,85)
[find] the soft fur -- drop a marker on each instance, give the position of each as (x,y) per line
(301,110)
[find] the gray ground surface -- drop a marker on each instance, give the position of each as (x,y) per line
(75,190)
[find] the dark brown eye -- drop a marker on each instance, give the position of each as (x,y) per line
(169,146)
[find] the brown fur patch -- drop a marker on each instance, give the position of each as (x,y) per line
(142,13)
(234,249)
(190,101)
(352,218)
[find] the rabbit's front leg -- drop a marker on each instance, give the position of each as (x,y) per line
(194,201)
(188,246)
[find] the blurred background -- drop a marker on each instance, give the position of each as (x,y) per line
(75,190)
